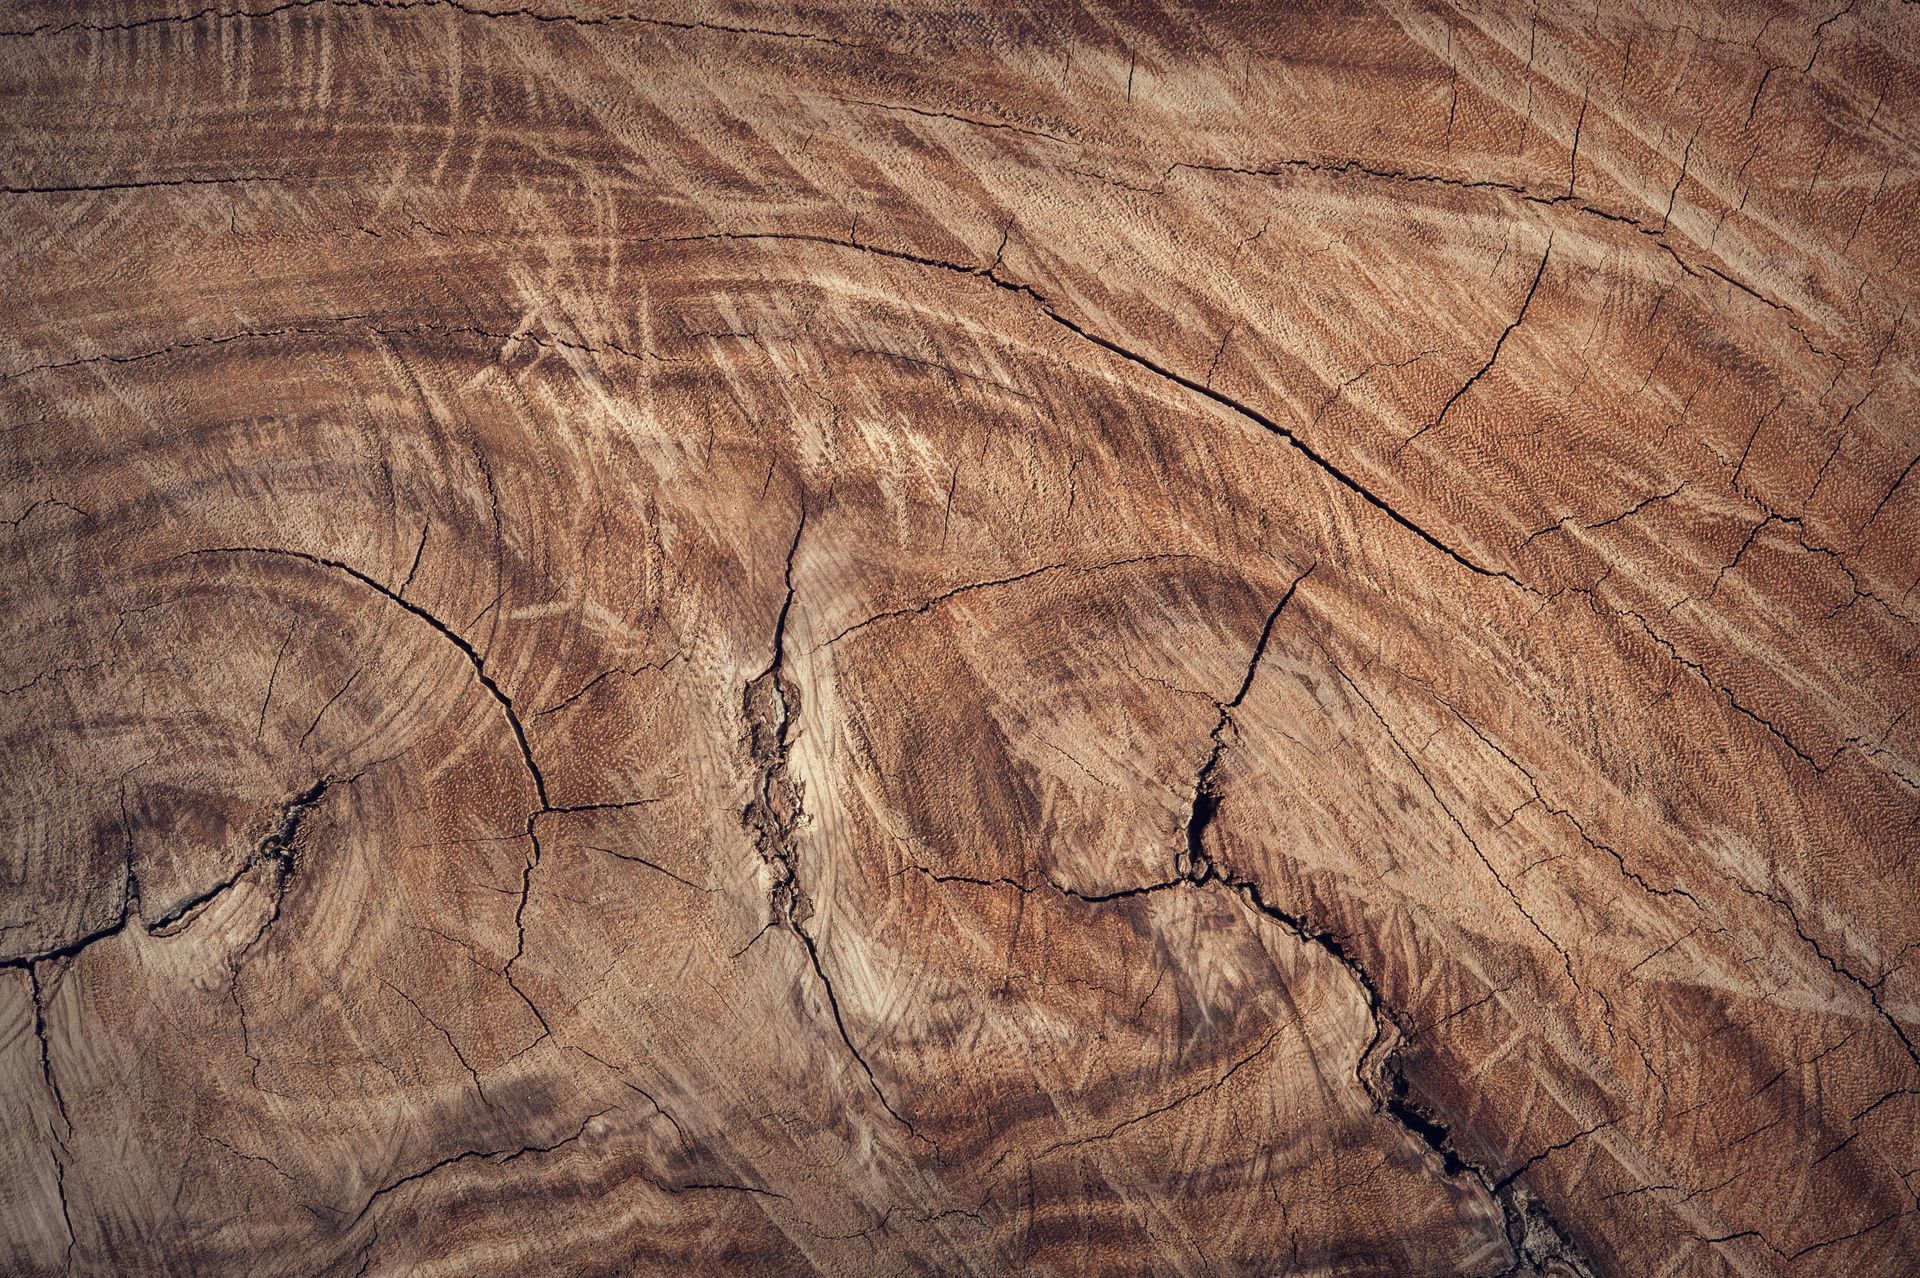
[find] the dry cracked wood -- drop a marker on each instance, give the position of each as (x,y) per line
(650,639)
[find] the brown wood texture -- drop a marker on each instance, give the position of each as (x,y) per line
(663,639)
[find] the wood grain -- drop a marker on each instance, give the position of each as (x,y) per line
(1084,639)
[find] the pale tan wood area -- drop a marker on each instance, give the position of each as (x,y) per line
(1203,640)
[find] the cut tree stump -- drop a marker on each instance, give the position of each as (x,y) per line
(650,638)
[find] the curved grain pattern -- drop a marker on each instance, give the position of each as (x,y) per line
(1091,639)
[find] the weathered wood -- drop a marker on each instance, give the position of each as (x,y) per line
(697,639)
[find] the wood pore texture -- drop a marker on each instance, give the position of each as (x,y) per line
(1088,639)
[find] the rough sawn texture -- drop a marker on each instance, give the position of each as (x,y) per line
(865,640)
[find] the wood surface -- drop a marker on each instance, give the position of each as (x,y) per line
(851,639)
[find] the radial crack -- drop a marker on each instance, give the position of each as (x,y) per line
(770,706)
(1193,859)
(1492,356)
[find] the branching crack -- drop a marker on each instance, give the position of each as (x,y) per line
(1534,1239)
(1192,859)
(276,849)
